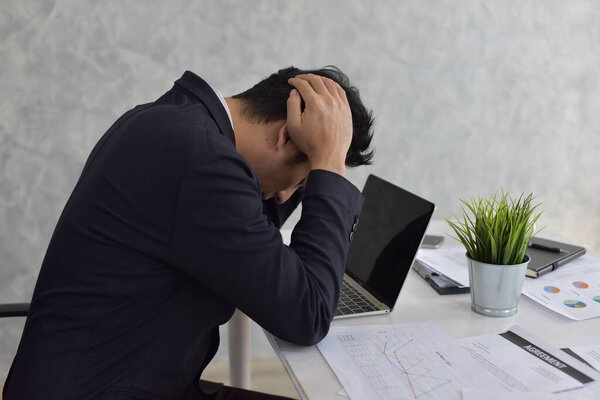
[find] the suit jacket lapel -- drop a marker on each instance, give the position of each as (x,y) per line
(206,94)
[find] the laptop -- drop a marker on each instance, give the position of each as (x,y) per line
(392,226)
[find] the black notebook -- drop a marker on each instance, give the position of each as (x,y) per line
(547,255)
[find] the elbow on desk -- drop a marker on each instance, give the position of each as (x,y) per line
(305,319)
(314,339)
(309,334)
(308,339)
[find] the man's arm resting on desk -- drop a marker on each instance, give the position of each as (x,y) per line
(290,291)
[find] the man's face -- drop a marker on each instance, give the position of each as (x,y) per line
(279,166)
(281,178)
(282,174)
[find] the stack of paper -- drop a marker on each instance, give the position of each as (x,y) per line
(419,361)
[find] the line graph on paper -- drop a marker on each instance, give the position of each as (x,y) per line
(418,377)
(395,363)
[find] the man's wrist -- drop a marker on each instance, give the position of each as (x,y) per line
(331,167)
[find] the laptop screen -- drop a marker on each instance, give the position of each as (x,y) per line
(392,225)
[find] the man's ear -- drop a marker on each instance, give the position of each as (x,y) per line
(283,137)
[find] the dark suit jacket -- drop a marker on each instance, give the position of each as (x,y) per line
(163,236)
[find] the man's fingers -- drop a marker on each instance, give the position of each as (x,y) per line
(304,87)
(342,93)
(294,110)
(320,84)
(317,82)
(333,87)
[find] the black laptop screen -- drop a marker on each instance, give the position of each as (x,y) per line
(392,224)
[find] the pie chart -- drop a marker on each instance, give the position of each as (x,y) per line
(596,299)
(574,303)
(581,285)
(551,289)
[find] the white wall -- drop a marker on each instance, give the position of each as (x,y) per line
(469,96)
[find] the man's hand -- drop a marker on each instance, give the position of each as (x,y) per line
(323,132)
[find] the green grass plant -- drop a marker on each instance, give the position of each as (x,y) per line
(496,230)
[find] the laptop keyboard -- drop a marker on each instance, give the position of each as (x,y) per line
(352,301)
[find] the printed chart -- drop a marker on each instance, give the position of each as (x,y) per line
(572,290)
(397,362)
(410,369)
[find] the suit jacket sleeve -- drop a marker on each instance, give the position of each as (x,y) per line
(223,239)
(279,213)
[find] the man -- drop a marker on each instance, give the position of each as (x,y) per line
(174,223)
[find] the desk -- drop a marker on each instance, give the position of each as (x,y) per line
(314,379)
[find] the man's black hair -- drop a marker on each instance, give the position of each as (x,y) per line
(267,102)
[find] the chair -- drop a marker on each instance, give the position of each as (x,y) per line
(14,310)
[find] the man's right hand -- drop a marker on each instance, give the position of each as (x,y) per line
(323,131)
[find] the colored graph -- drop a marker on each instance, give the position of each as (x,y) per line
(403,366)
(581,285)
(551,289)
(416,375)
(574,303)
(596,299)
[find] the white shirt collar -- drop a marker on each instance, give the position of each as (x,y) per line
(220,96)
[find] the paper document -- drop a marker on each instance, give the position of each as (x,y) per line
(573,290)
(524,363)
(591,354)
(450,262)
(580,394)
(403,361)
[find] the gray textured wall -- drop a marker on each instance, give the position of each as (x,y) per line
(469,96)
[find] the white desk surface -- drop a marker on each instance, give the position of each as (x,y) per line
(314,379)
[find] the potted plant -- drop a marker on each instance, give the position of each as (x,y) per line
(496,233)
